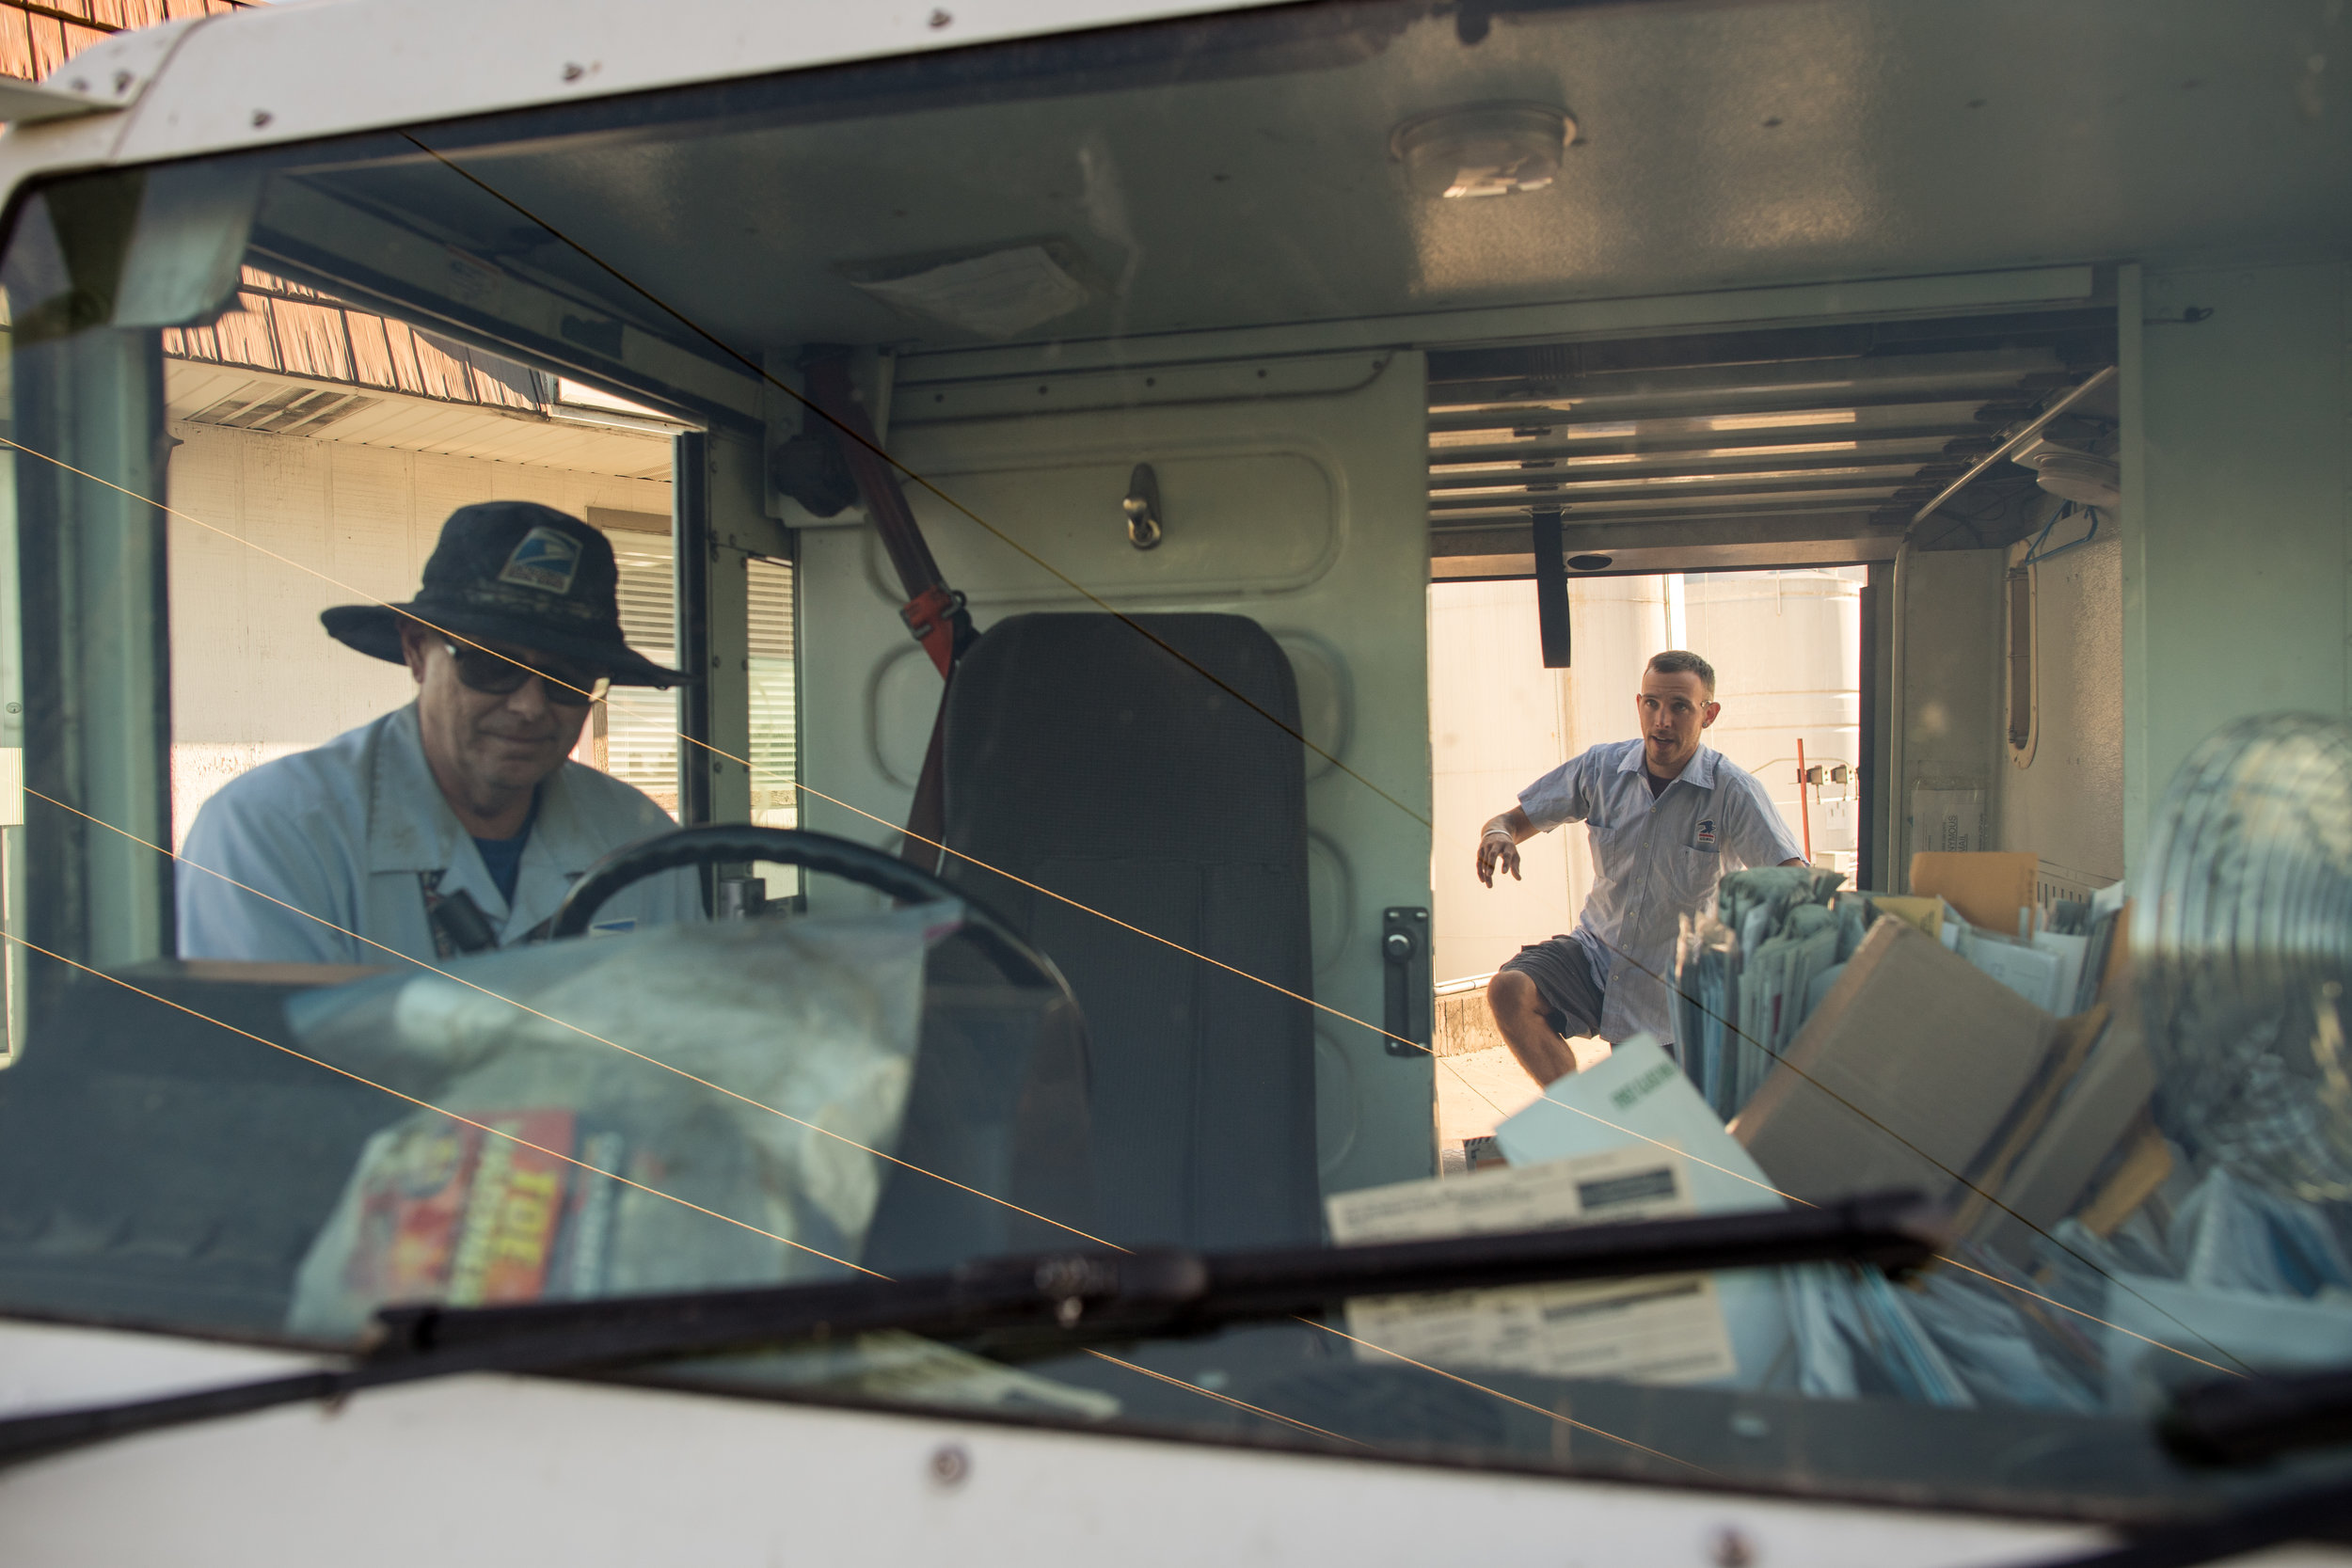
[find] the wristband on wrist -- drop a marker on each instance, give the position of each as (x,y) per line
(1498,832)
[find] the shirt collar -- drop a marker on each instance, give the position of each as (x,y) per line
(1699,772)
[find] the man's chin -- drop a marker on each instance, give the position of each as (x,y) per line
(516,767)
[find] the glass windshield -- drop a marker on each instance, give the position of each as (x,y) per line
(1518,621)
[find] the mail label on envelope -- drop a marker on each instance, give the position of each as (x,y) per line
(1663,1329)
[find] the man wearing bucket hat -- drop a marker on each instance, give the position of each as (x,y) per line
(454,824)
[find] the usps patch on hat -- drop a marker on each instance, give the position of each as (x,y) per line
(546,560)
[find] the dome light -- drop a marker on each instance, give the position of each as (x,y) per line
(1483,149)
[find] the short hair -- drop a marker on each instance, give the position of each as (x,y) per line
(1681,661)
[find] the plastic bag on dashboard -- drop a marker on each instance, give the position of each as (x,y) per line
(747,1069)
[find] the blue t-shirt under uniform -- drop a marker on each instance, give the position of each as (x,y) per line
(503,858)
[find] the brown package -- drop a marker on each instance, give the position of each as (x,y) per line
(1901,1079)
(1987,887)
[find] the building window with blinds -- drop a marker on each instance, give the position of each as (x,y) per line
(776,800)
(634,736)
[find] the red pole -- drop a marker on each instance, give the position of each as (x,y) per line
(1805,811)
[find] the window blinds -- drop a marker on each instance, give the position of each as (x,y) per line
(641,724)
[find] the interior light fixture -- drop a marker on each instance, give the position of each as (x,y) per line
(1483,149)
(2081,477)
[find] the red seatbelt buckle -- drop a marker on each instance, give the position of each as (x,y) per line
(931,616)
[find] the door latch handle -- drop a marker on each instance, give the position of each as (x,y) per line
(1142,507)
(1404,969)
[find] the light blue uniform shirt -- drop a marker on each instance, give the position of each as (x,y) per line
(344,831)
(1654,861)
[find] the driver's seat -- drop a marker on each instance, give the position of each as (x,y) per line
(1085,758)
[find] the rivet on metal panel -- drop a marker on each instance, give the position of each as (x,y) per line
(939,20)
(574,71)
(260,118)
(1732,1549)
(950,1464)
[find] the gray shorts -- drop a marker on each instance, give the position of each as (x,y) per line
(1563,973)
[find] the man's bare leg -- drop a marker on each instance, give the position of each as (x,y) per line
(1519,1009)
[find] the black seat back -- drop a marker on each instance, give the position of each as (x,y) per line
(1094,762)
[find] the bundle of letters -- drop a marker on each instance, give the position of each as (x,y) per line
(1749,975)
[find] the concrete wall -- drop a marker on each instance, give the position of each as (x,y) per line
(1787,649)
(1495,726)
(297,525)
(2237,480)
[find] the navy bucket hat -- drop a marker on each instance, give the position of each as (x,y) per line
(518,573)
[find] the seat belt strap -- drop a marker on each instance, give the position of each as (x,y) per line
(932,616)
(934,613)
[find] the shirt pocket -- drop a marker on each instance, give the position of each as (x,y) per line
(1615,851)
(1690,876)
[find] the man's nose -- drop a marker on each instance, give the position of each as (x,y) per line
(529,700)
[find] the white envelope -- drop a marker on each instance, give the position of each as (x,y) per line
(1638,1097)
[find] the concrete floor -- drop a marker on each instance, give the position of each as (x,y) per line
(1478,1088)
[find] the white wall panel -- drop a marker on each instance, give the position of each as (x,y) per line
(2246,463)
(2067,804)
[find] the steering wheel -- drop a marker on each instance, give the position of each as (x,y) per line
(729,843)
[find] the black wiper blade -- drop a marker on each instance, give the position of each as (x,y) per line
(1091,1294)
(2244,1421)
(1111,1294)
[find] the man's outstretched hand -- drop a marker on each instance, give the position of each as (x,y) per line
(1498,844)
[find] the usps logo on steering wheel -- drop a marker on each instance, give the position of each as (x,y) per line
(546,560)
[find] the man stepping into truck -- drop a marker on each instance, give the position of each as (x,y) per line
(1667,818)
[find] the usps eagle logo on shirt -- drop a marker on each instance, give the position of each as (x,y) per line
(546,560)
(1707,834)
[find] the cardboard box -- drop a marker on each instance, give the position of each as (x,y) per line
(2095,1110)
(1986,887)
(1905,1077)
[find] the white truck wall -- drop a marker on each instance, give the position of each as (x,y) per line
(1947,705)
(1306,512)
(2237,465)
(2066,804)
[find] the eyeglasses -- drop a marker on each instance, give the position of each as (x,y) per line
(496,674)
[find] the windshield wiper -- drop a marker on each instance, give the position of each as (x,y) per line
(2244,1421)
(1062,1297)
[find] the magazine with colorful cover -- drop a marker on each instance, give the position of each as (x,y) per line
(493,1209)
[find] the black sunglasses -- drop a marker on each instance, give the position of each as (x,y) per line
(496,674)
